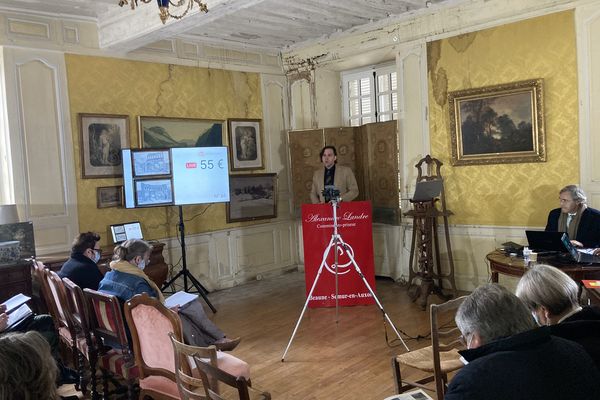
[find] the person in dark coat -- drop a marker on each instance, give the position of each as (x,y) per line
(508,358)
(580,222)
(551,296)
(82,267)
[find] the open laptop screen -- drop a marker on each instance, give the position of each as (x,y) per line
(546,241)
(126,231)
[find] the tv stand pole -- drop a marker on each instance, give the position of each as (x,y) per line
(185,272)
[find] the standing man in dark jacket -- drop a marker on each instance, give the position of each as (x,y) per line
(81,268)
(509,359)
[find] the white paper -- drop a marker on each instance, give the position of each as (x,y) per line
(180,299)
(18,314)
(412,395)
(15,302)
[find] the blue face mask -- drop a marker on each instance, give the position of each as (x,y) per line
(142,265)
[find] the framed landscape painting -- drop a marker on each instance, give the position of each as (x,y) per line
(166,132)
(498,124)
(101,139)
(245,144)
(252,197)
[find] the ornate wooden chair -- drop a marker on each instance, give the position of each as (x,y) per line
(190,385)
(209,373)
(63,320)
(80,317)
(115,355)
(440,358)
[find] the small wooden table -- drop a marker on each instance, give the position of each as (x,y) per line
(500,263)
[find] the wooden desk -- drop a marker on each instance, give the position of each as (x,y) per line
(14,279)
(514,266)
(157,270)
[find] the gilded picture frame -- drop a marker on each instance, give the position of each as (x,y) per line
(252,197)
(169,132)
(102,136)
(498,124)
(245,144)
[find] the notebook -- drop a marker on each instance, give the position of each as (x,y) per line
(583,256)
(545,241)
(427,190)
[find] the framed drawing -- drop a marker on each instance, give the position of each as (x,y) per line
(153,192)
(252,197)
(245,144)
(101,139)
(109,196)
(498,124)
(166,132)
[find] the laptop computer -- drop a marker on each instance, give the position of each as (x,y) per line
(583,256)
(545,242)
(126,231)
(427,190)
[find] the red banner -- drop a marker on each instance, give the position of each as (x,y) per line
(356,230)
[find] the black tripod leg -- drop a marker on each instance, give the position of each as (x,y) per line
(201,291)
(171,281)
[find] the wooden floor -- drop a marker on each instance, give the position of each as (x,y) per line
(327,360)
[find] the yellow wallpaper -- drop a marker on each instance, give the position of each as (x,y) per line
(114,86)
(509,194)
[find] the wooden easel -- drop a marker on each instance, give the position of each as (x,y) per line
(425,241)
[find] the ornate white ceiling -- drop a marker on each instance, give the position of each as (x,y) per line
(267,26)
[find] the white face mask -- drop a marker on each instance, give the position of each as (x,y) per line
(535,317)
(96,256)
(142,265)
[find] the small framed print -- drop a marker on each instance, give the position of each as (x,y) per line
(109,196)
(245,144)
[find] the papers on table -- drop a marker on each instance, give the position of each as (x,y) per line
(180,299)
(418,394)
(15,302)
(18,315)
(17,310)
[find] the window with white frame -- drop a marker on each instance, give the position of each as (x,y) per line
(370,95)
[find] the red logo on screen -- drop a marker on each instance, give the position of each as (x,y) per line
(190,165)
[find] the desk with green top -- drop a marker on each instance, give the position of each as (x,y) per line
(500,263)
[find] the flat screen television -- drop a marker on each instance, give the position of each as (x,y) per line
(177,176)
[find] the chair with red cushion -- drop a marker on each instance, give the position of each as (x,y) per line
(115,355)
(151,324)
(63,319)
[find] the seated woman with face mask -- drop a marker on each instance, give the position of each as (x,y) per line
(552,297)
(127,278)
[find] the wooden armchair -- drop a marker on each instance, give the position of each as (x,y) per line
(191,385)
(63,319)
(150,324)
(115,355)
(209,373)
(440,358)
(80,317)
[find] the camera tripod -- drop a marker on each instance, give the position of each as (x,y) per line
(337,243)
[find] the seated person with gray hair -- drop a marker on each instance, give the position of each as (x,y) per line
(509,359)
(580,222)
(551,296)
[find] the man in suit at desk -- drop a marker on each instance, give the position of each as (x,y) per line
(332,175)
(580,222)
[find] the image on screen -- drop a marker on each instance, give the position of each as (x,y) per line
(126,231)
(151,162)
(153,192)
(200,175)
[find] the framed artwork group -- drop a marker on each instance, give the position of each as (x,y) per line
(103,136)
